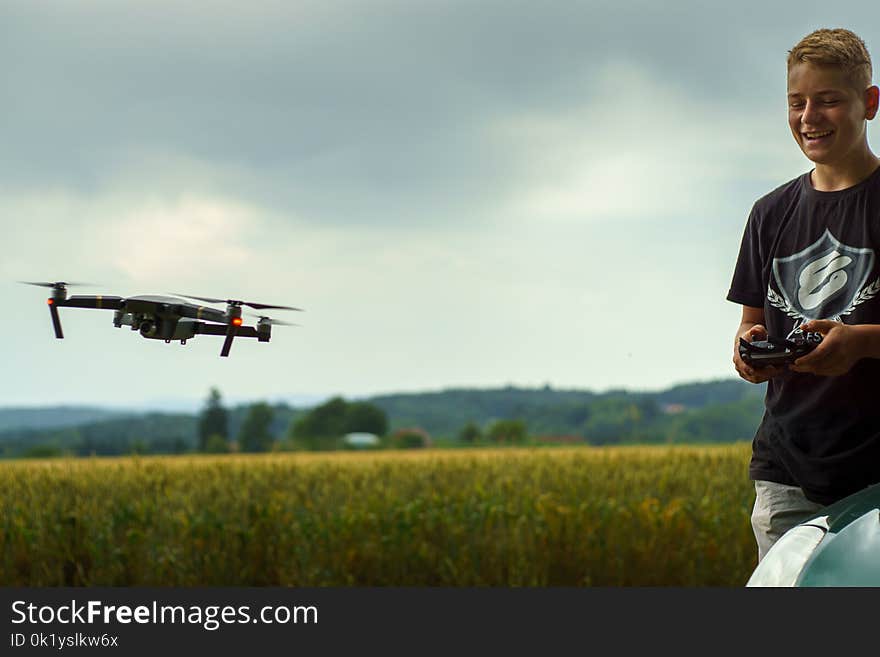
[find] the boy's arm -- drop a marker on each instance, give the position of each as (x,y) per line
(870,336)
(751,327)
(842,346)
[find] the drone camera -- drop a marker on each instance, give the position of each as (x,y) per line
(148,328)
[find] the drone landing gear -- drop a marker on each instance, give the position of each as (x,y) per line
(227,343)
(56,320)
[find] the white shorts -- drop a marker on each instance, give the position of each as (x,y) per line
(778,508)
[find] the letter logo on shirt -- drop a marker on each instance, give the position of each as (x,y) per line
(824,281)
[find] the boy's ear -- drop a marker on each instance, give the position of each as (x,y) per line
(872,101)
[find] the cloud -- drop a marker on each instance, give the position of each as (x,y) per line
(390,113)
(345,111)
(128,236)
(640,148)
(456,192)
(164,240)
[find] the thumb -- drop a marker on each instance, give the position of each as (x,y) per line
(757,331)
(818,326)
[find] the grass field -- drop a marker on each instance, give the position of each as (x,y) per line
(647,516)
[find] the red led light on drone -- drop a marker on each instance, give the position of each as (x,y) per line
(50,301)
(236,321)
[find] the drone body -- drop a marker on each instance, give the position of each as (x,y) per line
(167,318)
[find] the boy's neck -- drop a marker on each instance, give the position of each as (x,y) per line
(835,177)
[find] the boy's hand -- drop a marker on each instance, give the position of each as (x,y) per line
(838,352)
(746,371)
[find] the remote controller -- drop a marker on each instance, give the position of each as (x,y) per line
(778,351)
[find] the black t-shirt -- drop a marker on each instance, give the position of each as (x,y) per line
(807,254)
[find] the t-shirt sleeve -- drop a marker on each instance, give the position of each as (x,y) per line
(747,286)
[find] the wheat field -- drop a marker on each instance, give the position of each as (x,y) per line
(575,516)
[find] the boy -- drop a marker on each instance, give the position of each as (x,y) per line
(810,259)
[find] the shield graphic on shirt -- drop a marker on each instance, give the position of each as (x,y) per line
(823,280)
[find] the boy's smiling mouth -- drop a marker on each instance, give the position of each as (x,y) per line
(813,136)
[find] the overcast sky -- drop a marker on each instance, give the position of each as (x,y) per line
(475,194)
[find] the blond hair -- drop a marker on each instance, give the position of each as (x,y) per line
(839,48)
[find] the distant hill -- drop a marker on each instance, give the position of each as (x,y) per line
(710,411)
(697,395)
(548,410)
(170,433)
(54,416)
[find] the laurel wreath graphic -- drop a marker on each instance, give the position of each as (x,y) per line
(777,301)
(866,294)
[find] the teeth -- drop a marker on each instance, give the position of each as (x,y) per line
(816,135)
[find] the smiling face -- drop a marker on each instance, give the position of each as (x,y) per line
(827,114)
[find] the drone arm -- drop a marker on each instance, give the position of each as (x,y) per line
(231,331)
(110,303)
(98,302)
(202,312)
(221,329)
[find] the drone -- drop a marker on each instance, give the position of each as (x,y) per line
(168,318)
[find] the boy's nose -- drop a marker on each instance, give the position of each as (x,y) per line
(811,113)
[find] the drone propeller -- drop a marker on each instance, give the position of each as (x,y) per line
(59,295)
(237,302)
(58,285)
(271,321)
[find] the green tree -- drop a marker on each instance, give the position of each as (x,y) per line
(507,431)
(216,444)
(365,417)
(138,446)
(42,452)
(254,435)
(322,426)
(620,419)
(717,422)
(470,433)
(214,420)
(410,437)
